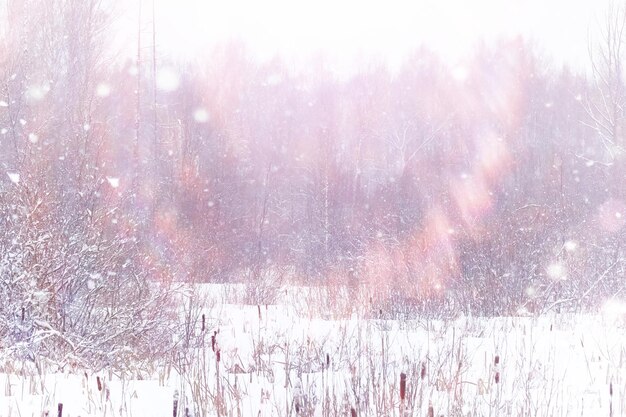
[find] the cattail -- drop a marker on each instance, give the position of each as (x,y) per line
(496,362)
(213,341)
(402,386)
(175,404)
(611,399)
(99,382)
(423,371)
(203,323)
(352,412)
(258,306)
(431,411)
(327,361)
(60,410)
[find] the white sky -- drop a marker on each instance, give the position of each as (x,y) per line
(349,29)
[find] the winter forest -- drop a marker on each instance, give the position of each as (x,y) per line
(232,235)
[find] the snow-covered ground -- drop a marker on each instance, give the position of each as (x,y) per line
(278,361)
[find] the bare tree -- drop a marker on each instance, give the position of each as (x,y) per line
(606,102)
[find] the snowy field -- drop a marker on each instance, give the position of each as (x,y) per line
(281,360)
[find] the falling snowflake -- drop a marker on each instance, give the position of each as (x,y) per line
(570,246)
(103,90)
(167,80)
(200,115)
(557,271)
(33,138)
(113,181)
(4,103)
(14,177)
(37,92)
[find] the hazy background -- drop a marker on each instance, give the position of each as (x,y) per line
(427,158)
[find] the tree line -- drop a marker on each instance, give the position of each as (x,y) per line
(489,186)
